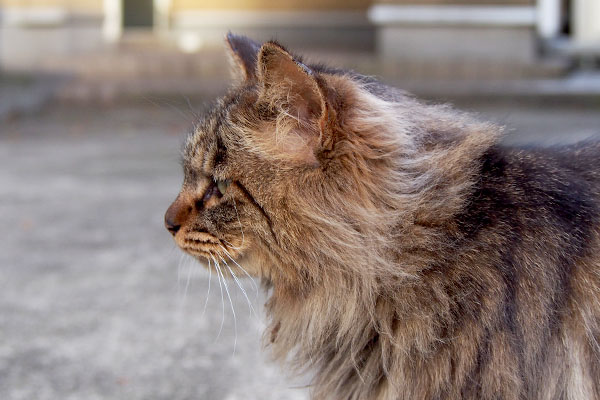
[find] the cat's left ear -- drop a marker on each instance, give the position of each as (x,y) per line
(294,90)
(243,54)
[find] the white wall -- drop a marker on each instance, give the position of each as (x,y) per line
(586,21)
(30,36)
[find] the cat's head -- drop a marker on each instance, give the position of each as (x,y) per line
(259,160)
(300,169)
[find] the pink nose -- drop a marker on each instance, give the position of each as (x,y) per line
(177,214)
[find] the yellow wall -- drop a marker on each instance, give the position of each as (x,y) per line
(32,3)
(74,5)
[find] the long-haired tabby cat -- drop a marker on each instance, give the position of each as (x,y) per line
(409,255)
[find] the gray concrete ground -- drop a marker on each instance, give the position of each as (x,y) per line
(95,300)
(24,93)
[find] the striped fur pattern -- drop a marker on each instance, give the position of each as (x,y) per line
(407,254)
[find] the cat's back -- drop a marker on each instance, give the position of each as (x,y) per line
(584,159)
(571,171)
(535,218)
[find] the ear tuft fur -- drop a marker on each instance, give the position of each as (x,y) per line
(289,85)
(297,95)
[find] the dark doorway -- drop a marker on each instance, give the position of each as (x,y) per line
(138,13)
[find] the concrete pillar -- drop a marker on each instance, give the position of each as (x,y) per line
(161,19)
(586,22)
(548,18)
(112,27)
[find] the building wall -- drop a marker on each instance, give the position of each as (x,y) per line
(331,24)
(484,38)
(459,2)
(71,5)
(586,22)
(179,5)
(32,31)
(96,6)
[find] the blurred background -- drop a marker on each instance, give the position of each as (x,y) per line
(96,97)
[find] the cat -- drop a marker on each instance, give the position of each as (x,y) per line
(406,252)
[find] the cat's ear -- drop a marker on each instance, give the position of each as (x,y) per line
(243,54)
(288,81)
(296,92)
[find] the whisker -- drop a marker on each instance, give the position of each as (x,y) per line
(171,251)
(172,106)
(179,271)
(235,278)
(230,244)
(222,299)
(242,268)
(189,278)
(231,303)
(191,109)
(208,292)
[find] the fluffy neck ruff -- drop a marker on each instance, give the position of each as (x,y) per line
(365,309)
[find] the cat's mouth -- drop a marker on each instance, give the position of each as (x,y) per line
(208,248)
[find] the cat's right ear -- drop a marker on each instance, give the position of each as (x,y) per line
(243,54)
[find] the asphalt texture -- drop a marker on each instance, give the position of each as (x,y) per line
(95,300)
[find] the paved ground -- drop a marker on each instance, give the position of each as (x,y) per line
(95,301)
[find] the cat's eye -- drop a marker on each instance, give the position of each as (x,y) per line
(223,185)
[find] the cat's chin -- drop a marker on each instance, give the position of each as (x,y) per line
(209,248)
(229,264)
(199,255)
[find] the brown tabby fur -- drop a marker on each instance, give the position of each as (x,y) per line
(407,254)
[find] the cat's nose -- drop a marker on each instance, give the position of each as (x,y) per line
(176,215)
(171,226)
